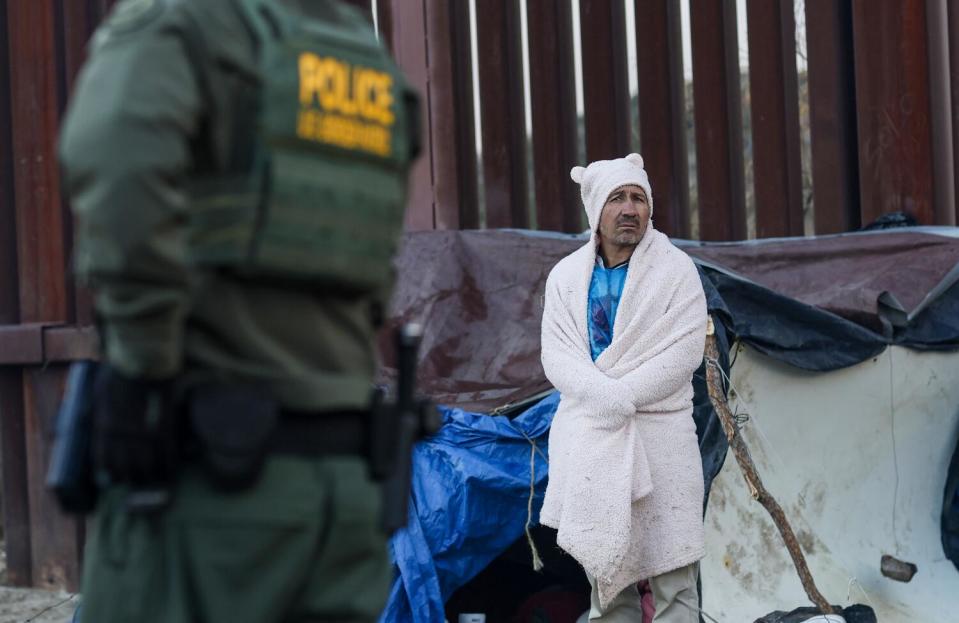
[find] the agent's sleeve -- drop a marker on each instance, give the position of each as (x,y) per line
(125,152)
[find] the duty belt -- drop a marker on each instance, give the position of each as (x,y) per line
(320,434)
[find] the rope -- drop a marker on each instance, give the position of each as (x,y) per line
(895,453)
(530,440)
(533,450)
(855,580)
(537,561)
(742,419)
(696,609)
(37,615)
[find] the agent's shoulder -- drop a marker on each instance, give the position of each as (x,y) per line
(212,28)
(133,20)
(132,16)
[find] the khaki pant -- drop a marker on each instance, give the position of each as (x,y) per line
(674,593)
(304,544)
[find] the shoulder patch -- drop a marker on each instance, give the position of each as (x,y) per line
(131,15)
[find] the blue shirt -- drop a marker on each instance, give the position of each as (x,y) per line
(605,288)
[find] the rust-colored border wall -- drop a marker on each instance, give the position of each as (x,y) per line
(450,109)
(662,121)
(940,109)
(718,111)
(553,100)
(953,77)
(774,98)
(409,38)
(605,78)
(832,116)
(16,509)
(500,64)
(893,109)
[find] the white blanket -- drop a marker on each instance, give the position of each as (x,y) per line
(626,485)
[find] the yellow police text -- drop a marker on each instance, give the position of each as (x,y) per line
(348,90)
(345,132)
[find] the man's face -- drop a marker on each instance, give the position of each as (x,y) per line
(625,216)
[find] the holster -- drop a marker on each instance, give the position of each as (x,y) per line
(233,426)
(70,476)
(382,434)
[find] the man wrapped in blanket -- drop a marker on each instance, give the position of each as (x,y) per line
(624,328)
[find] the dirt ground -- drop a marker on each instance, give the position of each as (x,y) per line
(23,605)
(26,605)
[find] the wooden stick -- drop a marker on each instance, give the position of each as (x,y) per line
(756,488)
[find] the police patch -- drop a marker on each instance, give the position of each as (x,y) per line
(130,15)
(345,105)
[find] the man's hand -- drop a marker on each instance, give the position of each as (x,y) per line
(135,429)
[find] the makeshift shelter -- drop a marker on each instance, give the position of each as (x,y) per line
(803,312)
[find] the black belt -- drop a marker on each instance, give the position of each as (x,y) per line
(320,434)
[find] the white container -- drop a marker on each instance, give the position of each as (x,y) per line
(472,617)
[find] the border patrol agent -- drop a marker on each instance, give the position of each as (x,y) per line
(238,173)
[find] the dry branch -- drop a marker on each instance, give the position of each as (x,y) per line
(756,488)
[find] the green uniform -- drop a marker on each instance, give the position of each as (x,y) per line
(127,153)
(303,543)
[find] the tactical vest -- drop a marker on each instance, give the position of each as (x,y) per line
(320,198)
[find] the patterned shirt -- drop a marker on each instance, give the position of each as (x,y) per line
(605,288)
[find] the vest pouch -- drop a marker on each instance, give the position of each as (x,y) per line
(336,224)
(223,217)
(233,425)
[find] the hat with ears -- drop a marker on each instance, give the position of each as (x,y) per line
(598,181)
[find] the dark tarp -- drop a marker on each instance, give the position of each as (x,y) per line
(846,275)
(478,295)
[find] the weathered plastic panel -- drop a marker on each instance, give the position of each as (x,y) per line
(858,460)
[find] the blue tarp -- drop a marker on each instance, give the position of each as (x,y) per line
(475,471)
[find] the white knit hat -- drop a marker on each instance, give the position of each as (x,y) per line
(598,181)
